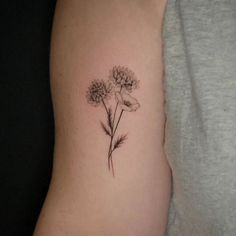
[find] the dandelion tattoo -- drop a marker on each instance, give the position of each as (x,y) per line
(120,84)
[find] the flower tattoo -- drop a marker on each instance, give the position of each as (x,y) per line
(123,77)
(98,92)
(121,82)
(126,102)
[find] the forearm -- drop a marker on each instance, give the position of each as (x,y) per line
(98,188)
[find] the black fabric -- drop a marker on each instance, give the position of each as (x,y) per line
(26,116)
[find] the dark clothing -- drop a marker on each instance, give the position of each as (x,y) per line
(26,117)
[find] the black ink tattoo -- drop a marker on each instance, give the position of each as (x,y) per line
(120,84)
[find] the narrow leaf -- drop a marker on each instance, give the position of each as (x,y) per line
(105,129)
(119,141)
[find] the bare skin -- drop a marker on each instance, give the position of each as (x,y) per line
(90,192)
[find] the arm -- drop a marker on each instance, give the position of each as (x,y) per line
(109,178)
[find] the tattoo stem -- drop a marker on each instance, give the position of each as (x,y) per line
(118,121)
(110,147)
(116,109)
(112,167)
(110,160)
(109,152)
(105,106)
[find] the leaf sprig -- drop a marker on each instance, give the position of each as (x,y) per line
(119,141)
(105,129)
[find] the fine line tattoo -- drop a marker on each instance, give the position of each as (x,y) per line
(116,89)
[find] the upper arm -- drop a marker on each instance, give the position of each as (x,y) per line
(93,41)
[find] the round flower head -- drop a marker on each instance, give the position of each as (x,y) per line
(126,102)
(98,91)
(122,77)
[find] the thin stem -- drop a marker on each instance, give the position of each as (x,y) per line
(116,109)
(109,152)
(105,106)
(118,121)
(111,135)
(112,167)
(115,113)
(110,147)
(110,143)
(110,155)
(110,160)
